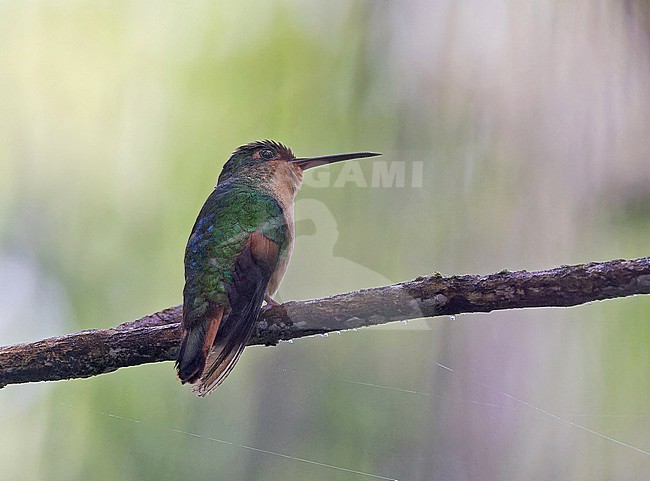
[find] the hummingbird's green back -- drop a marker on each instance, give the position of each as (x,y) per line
(232,212)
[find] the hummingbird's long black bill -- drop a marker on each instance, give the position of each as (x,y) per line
(309,162)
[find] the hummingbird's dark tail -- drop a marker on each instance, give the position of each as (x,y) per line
(219,368)
(237,328)
(195,346)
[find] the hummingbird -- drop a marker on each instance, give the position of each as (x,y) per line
(236,256)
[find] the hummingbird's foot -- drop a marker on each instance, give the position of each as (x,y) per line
(270,302)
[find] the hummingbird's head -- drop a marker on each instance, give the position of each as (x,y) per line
(267,159)
(256,159)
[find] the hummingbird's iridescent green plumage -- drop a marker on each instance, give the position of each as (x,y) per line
(236,256)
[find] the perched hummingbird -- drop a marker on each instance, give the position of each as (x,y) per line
(236,256)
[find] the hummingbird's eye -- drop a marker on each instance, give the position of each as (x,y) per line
(267,154)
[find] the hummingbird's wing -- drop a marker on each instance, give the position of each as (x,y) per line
(234,248)
(253,269)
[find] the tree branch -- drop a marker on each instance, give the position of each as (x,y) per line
(155,337)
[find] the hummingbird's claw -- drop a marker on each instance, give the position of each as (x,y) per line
(270,302)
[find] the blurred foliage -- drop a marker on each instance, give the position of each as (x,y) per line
(531,124)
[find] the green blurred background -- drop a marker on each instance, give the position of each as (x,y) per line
(531,122)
